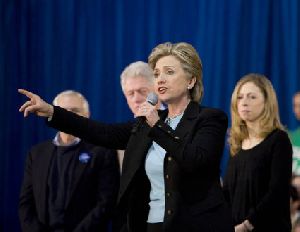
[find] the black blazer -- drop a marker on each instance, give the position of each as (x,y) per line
(94,189)
(194,200)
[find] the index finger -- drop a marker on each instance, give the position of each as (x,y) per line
(26,93)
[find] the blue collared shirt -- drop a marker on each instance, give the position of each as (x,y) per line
(154,166)
(56,141)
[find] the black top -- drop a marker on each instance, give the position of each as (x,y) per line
(61,173)
(89,176)
(257,184)
(193,196)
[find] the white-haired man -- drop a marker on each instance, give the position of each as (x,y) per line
(137,81)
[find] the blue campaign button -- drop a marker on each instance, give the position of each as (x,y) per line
(84,157)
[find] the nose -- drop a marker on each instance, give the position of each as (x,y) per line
(161,79)
(138,98)
(244,101)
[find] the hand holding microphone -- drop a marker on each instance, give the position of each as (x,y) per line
(147,112)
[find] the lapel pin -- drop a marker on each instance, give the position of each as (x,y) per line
(84,157)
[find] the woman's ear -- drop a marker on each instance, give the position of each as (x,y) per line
(192,82)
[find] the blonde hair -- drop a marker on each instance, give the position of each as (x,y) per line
(269,119)
(85,103)
(189,59)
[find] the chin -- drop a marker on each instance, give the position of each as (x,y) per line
(134,111)
(245,119)
(162,98)
(166,101)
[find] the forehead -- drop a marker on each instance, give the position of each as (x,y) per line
(167,61)
(249,87)
(137,82)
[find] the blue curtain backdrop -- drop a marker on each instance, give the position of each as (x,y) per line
(48,46)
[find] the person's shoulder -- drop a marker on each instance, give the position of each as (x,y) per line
(39,149)
(212,112)
(279,140)
(100,155)
(279,135)
(97,150)
(42,145)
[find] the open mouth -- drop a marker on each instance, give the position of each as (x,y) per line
(162,90)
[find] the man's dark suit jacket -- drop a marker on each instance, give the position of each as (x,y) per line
(193,197)
(94,189)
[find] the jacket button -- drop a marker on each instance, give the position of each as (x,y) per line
(169,158)
(167,176)
(169,212)
(168,194)
(176,137)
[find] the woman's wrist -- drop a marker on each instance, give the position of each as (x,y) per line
(50,112)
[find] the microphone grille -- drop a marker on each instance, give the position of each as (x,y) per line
(152,98)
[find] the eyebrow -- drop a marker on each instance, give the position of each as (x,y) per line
(169,66)
(165,66)
(248,93)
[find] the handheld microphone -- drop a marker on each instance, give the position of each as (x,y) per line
(152,99)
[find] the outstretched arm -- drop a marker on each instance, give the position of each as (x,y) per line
(113,136)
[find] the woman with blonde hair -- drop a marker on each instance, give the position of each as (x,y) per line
(257,182)
(170,177)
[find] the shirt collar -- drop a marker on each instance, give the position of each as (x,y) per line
(56,141)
